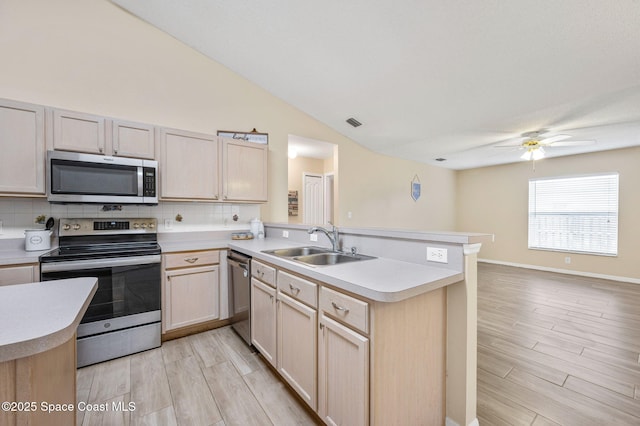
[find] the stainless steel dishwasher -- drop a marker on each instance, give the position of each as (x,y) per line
(240,294)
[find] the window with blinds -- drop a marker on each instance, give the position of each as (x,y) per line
(574,214)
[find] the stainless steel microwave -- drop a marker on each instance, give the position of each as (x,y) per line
(86,178)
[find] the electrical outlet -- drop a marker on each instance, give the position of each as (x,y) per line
(435,254)
(567,260)
(313,237)
(285,234)
(168,223)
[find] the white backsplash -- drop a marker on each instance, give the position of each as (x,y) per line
(18,214)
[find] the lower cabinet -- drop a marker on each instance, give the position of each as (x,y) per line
(343,374)
(296,338)
(19,274)
(354,361)
(191,289)
(263,319)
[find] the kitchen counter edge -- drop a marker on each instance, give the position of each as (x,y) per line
(37,317)
(409,279)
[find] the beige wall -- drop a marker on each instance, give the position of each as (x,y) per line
(495,200)
(379,190)
(298,166)
(89,55)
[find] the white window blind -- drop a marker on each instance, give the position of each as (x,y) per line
(576,214)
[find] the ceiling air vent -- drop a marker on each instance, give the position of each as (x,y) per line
(354,122)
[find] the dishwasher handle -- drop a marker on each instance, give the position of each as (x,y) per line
(242,264)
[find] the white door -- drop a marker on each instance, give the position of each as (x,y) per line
(328,198)
(313,199)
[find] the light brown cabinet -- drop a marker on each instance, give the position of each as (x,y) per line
(188,166)
(22,143)
(244,170)
(93,134)
(296,338)
(263,319)
(79,132)
(191,289)
(368,362)
(19,274)
(134,140)
(343,374)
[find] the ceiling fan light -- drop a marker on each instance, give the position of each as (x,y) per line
(526,156)
(538,154)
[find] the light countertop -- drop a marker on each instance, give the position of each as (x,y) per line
(380,279)
(37,317)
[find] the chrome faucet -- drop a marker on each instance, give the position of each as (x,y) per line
(332,235)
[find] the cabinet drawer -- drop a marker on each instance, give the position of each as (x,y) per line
(191,258)
(347,309)
(264,273)
(298,288)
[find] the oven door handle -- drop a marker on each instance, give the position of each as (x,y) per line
(77,265)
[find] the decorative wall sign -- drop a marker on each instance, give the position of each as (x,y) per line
(415,188)
(293,203)
(252,136)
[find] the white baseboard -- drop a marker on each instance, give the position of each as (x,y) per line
(564,271)
(449,422)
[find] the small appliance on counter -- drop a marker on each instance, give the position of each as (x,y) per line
(39,239)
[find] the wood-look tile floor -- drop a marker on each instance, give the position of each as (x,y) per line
(211,378)
(552,349)
(557,349)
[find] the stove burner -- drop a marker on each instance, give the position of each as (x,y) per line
(81,239)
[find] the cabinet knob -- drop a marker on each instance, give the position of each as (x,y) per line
(100,149)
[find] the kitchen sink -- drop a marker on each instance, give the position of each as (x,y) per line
(331,258)
(297,251)
(317,256)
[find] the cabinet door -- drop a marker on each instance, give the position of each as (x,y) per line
(22,146)
(297,347)
(263,319)
(188,165)
(77,131)
(244,170)
(19,275)
(191,296)
(133,140)
(343,374)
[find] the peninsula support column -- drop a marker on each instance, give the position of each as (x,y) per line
(462,342)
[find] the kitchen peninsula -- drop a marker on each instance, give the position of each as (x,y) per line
(38,323)
(396,334)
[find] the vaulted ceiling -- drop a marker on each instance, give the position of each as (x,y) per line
(430,79)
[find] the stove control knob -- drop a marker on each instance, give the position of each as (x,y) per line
(152,225)
(76,226)
(66,227)
(136,225)
(143,226)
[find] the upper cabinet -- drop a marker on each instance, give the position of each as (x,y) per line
(22,145)
(244,170)
(93,134)
(188,166)
(135,140)
(77,131)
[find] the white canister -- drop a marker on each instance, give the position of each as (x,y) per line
(255,227)
(37,239)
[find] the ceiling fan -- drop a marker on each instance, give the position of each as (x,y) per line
(534,143)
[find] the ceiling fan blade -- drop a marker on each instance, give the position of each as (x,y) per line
(571,143)
(553,139)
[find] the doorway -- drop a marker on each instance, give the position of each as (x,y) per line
(312,169)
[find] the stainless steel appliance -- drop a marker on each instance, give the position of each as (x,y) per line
(124,315)
(86,178)
(240,294)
